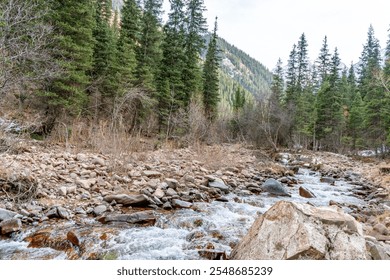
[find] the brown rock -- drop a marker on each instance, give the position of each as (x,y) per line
(299,231)
(306,193)
(10,226)
(72,238)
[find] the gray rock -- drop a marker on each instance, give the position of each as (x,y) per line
(135,218)
(171,192)
(177,203)
(151,174)
(10,226)
(6,214)
(376,251)
(328,180)
(274,187)
(98,161)
(159,193)
(100,209)
(128,200)
(63,213)
(167,206)
(63,190)
(219,184)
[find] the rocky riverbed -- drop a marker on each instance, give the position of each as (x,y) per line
(192,203)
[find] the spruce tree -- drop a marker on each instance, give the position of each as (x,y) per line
(323,61)
(210,76)
(291,80)
(73,45)
(170,88)
(196,28)
(302,63)
(149,51)
(127,42)
(277,86)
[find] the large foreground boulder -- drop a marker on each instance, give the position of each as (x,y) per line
(299,231)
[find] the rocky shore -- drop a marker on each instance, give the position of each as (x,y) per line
(40,187)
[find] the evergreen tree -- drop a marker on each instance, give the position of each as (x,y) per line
(73,45)
(149,52)
(277,86)
(104,56)
(194,46)
(291,80)
(302,63)
(211,78)
(323,61)
(128,40)
(171,95)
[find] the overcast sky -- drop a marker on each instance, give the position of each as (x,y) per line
(267,29)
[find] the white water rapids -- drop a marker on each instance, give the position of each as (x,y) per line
(180,235)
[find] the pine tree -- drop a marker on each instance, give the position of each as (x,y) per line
(149,52)
(323,61)
(277,86)
(73,45)
(302,63)
(127,42)
(211,78)
(170,87)
(194,46)
(291,80)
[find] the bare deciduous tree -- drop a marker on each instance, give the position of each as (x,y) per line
(25,47)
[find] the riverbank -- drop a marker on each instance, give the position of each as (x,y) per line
(95,196)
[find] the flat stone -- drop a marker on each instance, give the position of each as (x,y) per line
(135,218)
(100,209)
(151,174)
(177,203)
(128,200)
(10,226)
(6,214)
(306,193)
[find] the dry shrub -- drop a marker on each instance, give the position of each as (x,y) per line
(18,187)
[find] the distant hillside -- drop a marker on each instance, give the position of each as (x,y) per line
(238,66)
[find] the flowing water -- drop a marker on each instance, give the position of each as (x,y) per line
(184,234)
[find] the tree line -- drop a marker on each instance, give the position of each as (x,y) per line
(82,58)
(330,106)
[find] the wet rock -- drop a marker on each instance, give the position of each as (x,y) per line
(151,174)
(306,193)
(177,203)
(135,218)
(6,214)
(10,226)
(299,231)
(100,209)
(212,254)
(222,199)
(128,200)
(219,184)
(72,238)
(328,180)
(274,187)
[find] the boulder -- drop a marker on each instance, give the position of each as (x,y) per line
(128,200)
(135,218)
(10,226)
(6,214)
(274,187)
(100,209)
(306,193)
(219,184)
(300,231)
